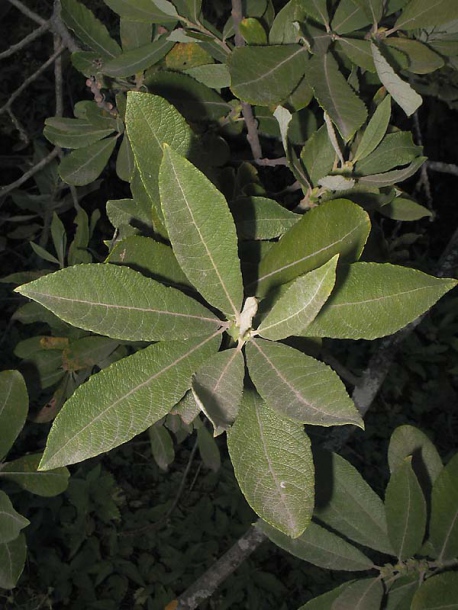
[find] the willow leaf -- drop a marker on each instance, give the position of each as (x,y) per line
(12,561)
(273,465)
(373,300)
(202,232)
(375,130)
(120,303)
(89,29)
(300,303)
(335,227)
(298,386)
(23,471)
(14,404)
(82,166)
(123,400)
(11,522)
(443,532)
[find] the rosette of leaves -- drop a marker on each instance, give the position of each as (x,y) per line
(416,526)
(221,334)
(24,472)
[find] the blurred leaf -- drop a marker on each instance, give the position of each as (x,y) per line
(23,471)
(426,14)
(438,591)
(12,561)
(320,547)
(161,446)
(422,59)
(443,528)
(405,508)
(325,601)
(208,449)
(402,208)
(11,522)
(14,405)
(141,10)
(364,594)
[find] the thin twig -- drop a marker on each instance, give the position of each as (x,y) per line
(444,168)
(247,111)
(271,162)
(423,182)
(26,40)
(58,79)
(27,12)
(32,171)
(30,79)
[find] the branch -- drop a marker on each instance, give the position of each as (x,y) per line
(444,168)
(206,585)
(247,111)
(27,12)
(30,79)
(32,171)
(26,40)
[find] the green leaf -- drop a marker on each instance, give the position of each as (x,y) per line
(44,254)
(375,130)
(405,509)
(298,386)
(318,155)
(335,227)
(320,547)
(373,300)
(151,121)
(14,405)
(125,165)
(284,29)
(401,592)
(277,484)
(87,352)
(161,446)
(151,258)
(402,208)
(316,9)
(426,14)
(422,59)
(11,522)
(23,471)
(349,17)
(189,8)
(89,29)
(335,95)
(211,75)
(74,133)
(439,592)
(137,60)
(401,92)
(261,218)
(134,34)
(252,31)
(394,176)
(217,387)
(266,75)
(443,529)
(394,150)
(12,561)
(141,10)
(407,440)
(195,101)
(202,232)
(364,594)
(124,399)
(358,52)
(324,602)
(120,303)
(208,449)
(373,8)
(300,303)
(347,504)
(85,165)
